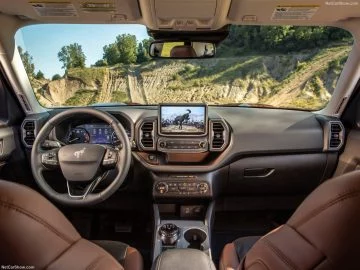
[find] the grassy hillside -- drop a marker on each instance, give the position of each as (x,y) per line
(303,80)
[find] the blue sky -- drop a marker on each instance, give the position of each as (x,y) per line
(44,42)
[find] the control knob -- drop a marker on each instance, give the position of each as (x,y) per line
(162,144)
(202,187)
(162,187)
(169,233)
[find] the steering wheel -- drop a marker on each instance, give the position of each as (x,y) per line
(83,165)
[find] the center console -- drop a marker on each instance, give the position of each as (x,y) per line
(173,146)
(174,232)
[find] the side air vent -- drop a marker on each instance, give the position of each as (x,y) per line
(218,135)
(28,132)
(336,135)
(147,131)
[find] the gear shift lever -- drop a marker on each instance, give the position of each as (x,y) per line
(169,233)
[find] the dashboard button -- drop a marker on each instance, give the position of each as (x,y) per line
(202,144)
(110,158)
(161,187)
(173,189)
(162,144)
(202,187)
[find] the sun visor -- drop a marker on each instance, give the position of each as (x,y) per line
(284,12)
(74,11)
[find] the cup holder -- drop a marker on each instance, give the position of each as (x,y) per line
(195,238)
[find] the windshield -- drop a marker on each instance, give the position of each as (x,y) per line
(261,66)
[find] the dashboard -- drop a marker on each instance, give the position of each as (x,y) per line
(189,149)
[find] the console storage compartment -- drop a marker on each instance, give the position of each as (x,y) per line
(183,259)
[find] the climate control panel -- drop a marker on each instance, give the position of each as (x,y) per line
(182,145)
(181,189)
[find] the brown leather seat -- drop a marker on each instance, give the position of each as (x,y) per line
(323,233)
(33,232)
(182,51)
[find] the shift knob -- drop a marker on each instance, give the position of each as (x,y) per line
(169,233)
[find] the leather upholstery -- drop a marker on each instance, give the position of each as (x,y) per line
(323,233)
(234,252)
(183,259)
(127,256)
(182,51)
(244,244)
(34,232)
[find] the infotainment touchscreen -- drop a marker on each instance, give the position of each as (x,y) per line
(183,119)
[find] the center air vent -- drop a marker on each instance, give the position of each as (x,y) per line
(336,135)
(28,132)
(147,135)
(218,135)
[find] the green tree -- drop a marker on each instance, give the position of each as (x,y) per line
(126,45)
(101,63)
(56,77)
(279,38)
(27,60)
(111,54)
(143,51)
(72,56)
(39,75)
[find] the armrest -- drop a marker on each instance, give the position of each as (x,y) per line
(183,259)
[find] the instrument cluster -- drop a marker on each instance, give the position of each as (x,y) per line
(94,133)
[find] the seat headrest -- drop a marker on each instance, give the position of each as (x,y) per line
(182,51)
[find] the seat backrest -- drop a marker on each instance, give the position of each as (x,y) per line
(323,233)
(182,51)
(33,232)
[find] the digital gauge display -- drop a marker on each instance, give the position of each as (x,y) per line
(100,134)
(94,133)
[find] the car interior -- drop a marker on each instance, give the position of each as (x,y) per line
(200,152)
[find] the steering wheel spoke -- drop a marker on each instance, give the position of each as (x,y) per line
(50,158)
(111,158)
(77,190)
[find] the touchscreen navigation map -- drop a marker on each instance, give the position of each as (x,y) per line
(182,119)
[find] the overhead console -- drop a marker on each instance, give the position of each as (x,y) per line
(188,15)
(181,133)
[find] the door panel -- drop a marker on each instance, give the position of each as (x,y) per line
(350,159)
(7,144)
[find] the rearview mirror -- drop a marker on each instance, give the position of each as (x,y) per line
(181,49)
